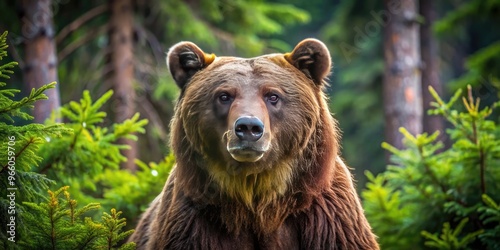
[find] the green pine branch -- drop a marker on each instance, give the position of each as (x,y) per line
(449,238)
(442,185)
(58,223)
(5,69)
(86,112)
(19,146)
(490,215)
(80,150)
(129,127)
(80,159)
(10,108)
(113,226)
(91,148)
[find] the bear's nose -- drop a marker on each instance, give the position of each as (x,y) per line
(248,128)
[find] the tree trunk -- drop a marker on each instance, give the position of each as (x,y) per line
(40,54)
(122,70)
(430,70)
(402,90)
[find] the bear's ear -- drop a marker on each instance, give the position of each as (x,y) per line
(311,57)
(185,59)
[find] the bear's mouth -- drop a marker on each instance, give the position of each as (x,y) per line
(246,153)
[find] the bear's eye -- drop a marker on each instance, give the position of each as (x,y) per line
(273,99)
(224,98)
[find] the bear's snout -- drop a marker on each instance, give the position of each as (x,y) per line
(248,128)
(247,140)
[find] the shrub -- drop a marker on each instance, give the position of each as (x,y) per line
(81,156)
(58,224)
(441,198)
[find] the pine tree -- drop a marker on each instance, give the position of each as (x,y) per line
(55,222)
(19,151)
(79,159)
(441,199)
(62,225)
(473,23)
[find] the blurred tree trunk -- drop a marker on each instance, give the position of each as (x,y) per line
(402,90)
(430,70)
(122,70)
(40,54)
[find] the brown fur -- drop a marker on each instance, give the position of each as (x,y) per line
(298,195)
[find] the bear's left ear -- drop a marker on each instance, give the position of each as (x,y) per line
(311,57)
(185,59)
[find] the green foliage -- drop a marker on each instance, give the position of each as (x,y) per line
(89,160)
(244,23)
(18,148)
(431,189)
(385,206)
(132,192)
(449,237)
(466,9)
(10,108)
(113,226)
(80,159)
(482,65)
(490,215)
(5,69)
(58,223)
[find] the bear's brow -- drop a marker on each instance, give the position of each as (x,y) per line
(235,67)
(228,68)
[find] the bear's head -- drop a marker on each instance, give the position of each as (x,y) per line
(251,124)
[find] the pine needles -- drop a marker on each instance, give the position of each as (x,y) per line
(64,226)
(56,221)
(437,197)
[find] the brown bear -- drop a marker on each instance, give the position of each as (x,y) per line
(257,158)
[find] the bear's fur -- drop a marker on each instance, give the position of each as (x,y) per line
(257,154)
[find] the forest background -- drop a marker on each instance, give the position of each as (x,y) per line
(385,56)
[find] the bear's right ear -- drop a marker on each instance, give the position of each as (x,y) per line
(185,59)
